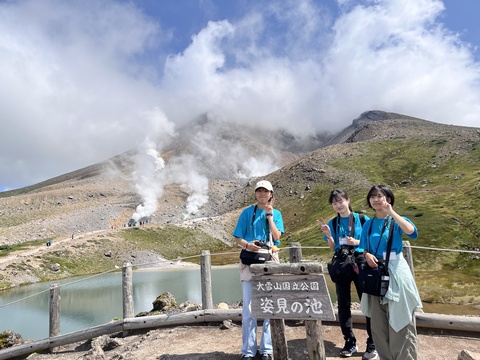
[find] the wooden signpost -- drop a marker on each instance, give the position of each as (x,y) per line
(294,291)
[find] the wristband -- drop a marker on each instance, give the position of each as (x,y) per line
(269,214)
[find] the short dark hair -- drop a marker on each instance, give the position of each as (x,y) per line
(385,190)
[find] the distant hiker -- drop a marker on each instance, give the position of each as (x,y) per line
(256,223)
(49,242)
(73,235)
(343,234)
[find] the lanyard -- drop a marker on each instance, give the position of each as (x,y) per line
(381,234)
(384,227)
(267,227)
(351,228)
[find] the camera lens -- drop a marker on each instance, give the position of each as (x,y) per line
(344,250)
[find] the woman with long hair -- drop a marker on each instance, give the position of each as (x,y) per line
(343,236)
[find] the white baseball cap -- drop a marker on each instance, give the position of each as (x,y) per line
(264,184)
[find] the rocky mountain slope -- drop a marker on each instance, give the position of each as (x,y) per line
(102,196)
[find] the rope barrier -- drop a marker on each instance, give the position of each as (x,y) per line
(25,298)
(447,250)
(216,254)
(67,284)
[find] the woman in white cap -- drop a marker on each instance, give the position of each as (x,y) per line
(256,222)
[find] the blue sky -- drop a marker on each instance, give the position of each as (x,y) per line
(460,17)
(84,80)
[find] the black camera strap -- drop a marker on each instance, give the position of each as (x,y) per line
(267,225)
(389,242)
(351,227)
(336,225)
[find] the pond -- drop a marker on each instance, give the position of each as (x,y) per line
(96,300)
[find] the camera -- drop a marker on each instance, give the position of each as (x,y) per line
(344,250)
(262,244)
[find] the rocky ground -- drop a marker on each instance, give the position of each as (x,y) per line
(219,342)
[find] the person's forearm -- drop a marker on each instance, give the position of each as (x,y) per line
(331,242)
(273,229)
(276,234)
(242,242)
(406,226)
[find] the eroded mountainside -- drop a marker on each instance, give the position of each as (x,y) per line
(102,196)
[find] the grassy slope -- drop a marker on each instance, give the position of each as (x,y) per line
(439,193)
(436,188)
(181,243)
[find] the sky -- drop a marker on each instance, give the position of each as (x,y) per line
(84,80)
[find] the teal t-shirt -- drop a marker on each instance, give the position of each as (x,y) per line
(252,224)
(342,229)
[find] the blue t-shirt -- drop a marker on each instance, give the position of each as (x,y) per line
(250,229)
(379,236)
(342,230)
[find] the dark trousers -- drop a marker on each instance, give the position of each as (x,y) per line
(344,299)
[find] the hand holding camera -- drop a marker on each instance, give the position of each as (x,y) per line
(260,244)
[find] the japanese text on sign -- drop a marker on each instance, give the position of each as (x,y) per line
(302,297)
(286,285)
(282,306)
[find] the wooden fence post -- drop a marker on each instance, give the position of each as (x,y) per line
(295,253)
(315,344)
(279,340)
(206,280)
(313,328)
(127,286)
(277,326)
(407,254)
(54,325)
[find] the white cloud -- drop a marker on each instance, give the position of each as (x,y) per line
(394,56)
(77,77)
(69,92)
(390,55)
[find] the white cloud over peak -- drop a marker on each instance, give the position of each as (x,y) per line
(78,77)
